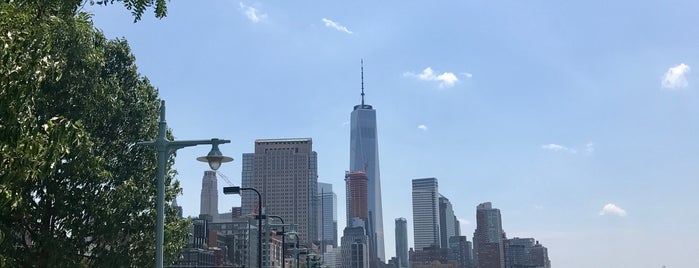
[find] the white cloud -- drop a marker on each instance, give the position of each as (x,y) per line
(558,148)
(252,13)
(467,75)
(336,26)
(422,127)
(675,77)
(446,79)
(346,123)
(611,209)
(590,147)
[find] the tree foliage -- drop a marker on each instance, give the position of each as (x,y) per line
(75,191)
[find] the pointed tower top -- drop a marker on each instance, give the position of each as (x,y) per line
(362,61)
(362,106)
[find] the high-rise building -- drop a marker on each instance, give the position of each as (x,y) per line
(209,196)
(539,256)
(355,247)
(364,156)
(356,193)
(285,173)
(525,252)
(426,213)
(327,231)
(177,207)
(460,249)
(402,242)
(488,237)
(447,221)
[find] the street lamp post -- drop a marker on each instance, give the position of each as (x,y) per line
(236,190)
(166,147)
(283,239)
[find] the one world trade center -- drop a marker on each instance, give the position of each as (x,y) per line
(364,156)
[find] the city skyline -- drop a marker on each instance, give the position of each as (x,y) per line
(577,119)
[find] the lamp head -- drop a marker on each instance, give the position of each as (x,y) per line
(231,190)
(215,157)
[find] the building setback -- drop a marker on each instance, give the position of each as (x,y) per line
(426,213)
(285,173)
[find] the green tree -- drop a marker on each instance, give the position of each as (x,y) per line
(75,191)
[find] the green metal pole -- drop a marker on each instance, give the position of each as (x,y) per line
(165,148)
(162,146)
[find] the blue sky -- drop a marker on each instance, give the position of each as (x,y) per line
(579,120)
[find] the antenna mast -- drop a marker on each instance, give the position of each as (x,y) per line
(362,83)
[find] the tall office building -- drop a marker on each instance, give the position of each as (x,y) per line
(488,237)
(460,249)
(327,231)
(525,252)
(356,191)
(426,213)
(447,221)
(355,247)
(209,196)
(539,256)
(402,242)
(285,173)
(364,156)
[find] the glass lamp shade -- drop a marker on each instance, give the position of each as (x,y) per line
(215,158)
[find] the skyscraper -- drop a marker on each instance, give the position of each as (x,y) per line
(460,250)
(488,237)
(209,196)
(327,227)
(364,156)
(356,191)
(447,221)
(355,248)
(285,173)
(402,242)
(426,213)
(525,252)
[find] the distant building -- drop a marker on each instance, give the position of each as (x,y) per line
(488,237)
(356,193)
(539,256)
(327,215)
(426,213)
(220,244)
(432,256)
(460,250)
(177,207)
(285,173)
(209,195)
(447,221)
(355,248)
(525,253)
(364,156)
(402,242)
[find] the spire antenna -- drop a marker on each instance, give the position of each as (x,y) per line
(362,60)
